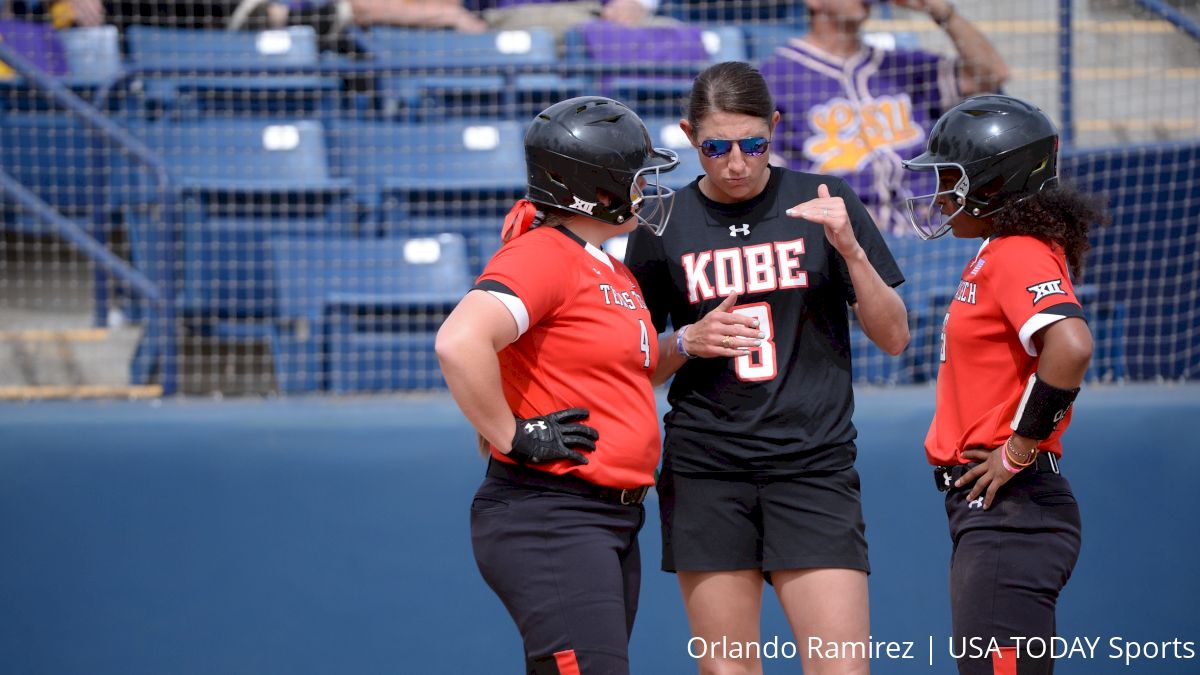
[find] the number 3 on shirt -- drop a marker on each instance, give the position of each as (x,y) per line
(761,362)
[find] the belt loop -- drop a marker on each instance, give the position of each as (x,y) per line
(1053,459)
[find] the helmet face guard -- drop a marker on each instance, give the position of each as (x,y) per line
(925,213)
(650,201)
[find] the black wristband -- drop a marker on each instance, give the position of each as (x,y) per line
(1042,407)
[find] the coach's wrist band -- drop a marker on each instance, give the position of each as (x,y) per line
(679,342)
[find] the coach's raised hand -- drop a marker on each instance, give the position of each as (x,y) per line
(831,213)
(550,437)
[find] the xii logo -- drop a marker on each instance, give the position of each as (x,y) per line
(580,205)
(1046,288)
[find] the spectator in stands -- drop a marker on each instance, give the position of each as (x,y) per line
(855,110)
(560,16)
(329,17)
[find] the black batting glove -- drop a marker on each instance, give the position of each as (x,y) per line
(548,438)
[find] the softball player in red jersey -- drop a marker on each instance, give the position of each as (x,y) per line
(550,356)
(1015,347)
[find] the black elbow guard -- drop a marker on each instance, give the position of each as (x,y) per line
(1042,407)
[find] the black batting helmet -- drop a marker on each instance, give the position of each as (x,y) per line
(1006,150)
(586,155)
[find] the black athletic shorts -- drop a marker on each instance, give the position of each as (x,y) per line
(712,522)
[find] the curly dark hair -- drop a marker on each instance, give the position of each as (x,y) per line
(1061,215)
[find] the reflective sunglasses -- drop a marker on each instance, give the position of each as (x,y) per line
(719,147)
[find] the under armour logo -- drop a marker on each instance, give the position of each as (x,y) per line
(976,503)
(530,426)
(743,229)
(1046,288)
(580,205)
(946,478)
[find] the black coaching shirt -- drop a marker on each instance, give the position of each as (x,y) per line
(787,405)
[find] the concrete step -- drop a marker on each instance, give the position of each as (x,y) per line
(63,358)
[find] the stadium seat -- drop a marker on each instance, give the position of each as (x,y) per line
(453,169)
(457,86)
(631,53)
(665,133)
(242,182)
(460,168)
(763,38)
(59,160)
(481,234)
(360,314)
(235,90)
(93,54)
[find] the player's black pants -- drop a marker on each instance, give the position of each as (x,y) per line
(568,568)
(1008,566)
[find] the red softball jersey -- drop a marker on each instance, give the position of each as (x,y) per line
(1011,289)
(586,341)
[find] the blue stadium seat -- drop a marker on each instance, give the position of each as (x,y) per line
(665,133)
(242,182)
(238,92)
(361,314)
(61,161)
(461,168)
(420,47)
(456,168)
(481,234)
(93,54)
(454,90)
(763,38)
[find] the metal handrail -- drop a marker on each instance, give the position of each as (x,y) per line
(1175,17)
(162,295)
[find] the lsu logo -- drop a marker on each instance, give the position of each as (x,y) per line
(846,134)
(1045,289)
(580,205)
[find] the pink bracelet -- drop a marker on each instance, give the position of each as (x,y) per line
(1007,465)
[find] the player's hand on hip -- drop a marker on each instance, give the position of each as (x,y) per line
(723,332)
(831,213)
(989,476)
(551,437)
